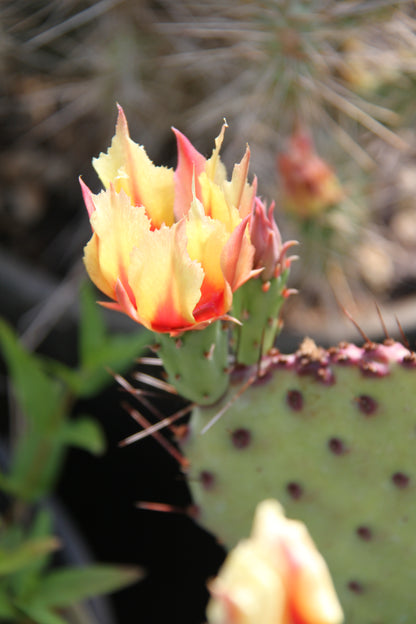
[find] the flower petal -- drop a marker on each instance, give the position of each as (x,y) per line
(311,594)
(248,590)
(216,205)
(214,167)
(127,166)
(92,264)
(190,165)
(88,197)
(237,257)
(166,282)
(238,191)
(206,240)
(124,302)
(118,227)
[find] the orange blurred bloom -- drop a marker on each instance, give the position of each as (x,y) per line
(309,185)
(169,247)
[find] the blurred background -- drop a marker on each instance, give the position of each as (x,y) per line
(323,91)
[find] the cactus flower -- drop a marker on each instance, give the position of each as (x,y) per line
(259,301)
(309,185)
(266,239)
(169,247)
(277,576)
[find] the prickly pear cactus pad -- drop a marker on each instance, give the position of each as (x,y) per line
(332,435)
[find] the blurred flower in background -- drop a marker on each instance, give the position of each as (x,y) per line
(308,186)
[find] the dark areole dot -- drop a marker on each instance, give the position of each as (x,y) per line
(295,490)
(337,446)
(355,587)
(366,404)
(294,399)
(207,479)
(400,480)
(365,533)
(241,438)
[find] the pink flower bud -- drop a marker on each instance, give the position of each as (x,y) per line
(265,237)
(309,185)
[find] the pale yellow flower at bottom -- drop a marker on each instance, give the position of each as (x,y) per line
(247,590)
(277,576)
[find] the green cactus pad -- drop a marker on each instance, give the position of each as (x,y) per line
(331,435)
(257,305)
(196,362)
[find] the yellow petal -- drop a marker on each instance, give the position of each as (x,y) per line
(248,589)
(92,264)
(127,166)
(308,582)
(206,240)
(237,257)
(214,167)
(215,203)
(166,282)
(238,191)
(118,227)
(313,592)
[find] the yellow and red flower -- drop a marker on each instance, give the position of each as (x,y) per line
(277,576)
(169,247)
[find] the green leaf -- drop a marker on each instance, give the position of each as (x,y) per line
(85,433)
(13,560)
(42,524)
(68,376)
(41,615)
(27,578)
(116,353)
(36,464)
(8,484)
(6,607)
(40,397)
(68,586)
(43,401)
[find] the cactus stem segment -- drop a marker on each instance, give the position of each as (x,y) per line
(258,305)
(229,403)
(206,382)
(331,434)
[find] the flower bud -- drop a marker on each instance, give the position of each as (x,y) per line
(265,237)
(309,185)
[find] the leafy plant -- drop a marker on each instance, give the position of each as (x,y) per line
(45,392)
